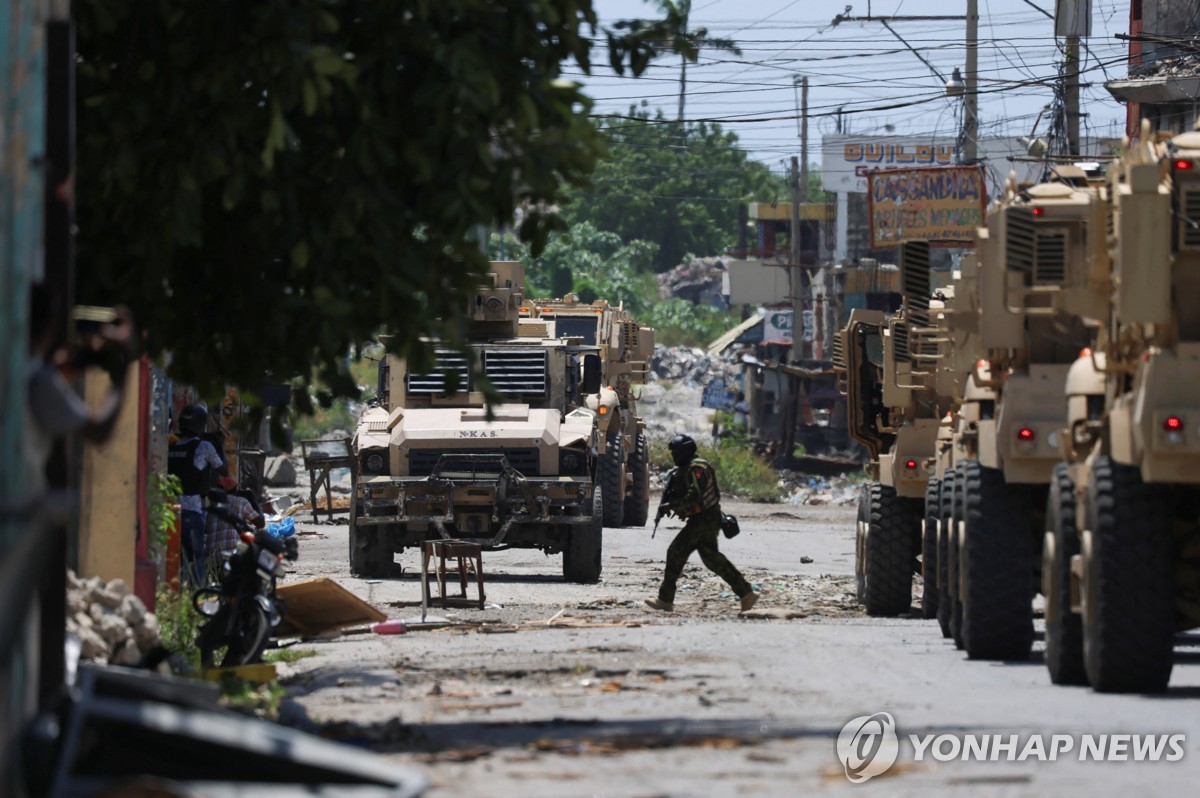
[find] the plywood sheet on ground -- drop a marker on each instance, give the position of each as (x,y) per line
(322,605)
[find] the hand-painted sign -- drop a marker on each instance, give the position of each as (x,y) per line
(942,205)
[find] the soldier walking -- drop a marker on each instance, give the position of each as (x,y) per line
(692,495)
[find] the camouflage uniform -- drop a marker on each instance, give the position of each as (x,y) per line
(693,495)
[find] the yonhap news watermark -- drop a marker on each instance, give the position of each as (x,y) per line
(869,746)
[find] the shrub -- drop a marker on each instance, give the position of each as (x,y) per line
(740,472)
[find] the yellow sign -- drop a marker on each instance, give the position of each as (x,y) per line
(942,205)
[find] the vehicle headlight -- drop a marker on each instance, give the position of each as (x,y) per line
(570,463)
(375,463)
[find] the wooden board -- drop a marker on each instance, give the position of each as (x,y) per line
(322,605)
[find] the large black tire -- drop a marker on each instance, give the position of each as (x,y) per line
(582,558)
(370,555)
(888,553)
(1064,629)
(250,636)
(996,562)
(610,475)
(945,523)
(1128,587)
(860,532)
(929,549)
(954,558)
(637,498)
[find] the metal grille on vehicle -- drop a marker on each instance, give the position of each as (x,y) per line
(1191,209)
(421,462)
(839,351)
(900,341)
(914,272)
(433,383)
(1019,242)
(516,372)
(1038,250)
(1051,256)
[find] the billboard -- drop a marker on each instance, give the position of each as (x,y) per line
(941,205)
(846,160)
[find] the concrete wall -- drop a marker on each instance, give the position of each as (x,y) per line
(108,511)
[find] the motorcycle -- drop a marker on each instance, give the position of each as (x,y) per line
(241,607)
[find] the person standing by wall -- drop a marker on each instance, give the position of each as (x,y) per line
(193,460)
(693,495)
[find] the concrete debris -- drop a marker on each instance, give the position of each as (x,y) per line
(816,491)
(693,366)
(279,471)
(699,280)
(112,624)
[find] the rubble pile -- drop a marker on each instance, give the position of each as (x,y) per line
(693,366)
(112,624)
(815,491)
(700,279)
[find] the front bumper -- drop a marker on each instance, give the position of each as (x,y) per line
(478,498)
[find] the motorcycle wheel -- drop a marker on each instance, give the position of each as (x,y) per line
(249,636)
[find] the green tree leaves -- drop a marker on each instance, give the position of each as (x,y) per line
(267,183)
(675,185)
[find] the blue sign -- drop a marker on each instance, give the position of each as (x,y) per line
(717,396)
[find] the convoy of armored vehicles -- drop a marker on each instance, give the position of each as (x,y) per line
(1034,425)
(530,439)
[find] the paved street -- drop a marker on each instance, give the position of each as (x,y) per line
(580,690)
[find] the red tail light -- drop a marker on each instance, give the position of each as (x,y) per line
(1039,211)
(1182,165)
(910,464)
(1026,434)
(1173,424)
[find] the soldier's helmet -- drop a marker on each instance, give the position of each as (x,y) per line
(193,420)
(683,449)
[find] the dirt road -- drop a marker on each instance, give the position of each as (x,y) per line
(560,689)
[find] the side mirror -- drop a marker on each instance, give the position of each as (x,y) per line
(591,375)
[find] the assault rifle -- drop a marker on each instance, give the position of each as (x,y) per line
(664,506)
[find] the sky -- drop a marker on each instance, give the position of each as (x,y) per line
(860,67)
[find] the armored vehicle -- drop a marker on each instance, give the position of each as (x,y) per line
(434,461)
(897,394)
(1121,571)
(625,348)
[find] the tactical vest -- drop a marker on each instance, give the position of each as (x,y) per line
(181,462)
(710,495)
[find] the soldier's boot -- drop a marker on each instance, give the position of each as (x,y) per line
(659,604)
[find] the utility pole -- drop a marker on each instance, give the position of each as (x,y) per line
(804,139)
(1071,98)
(971,99)
(796,282)
(796,285)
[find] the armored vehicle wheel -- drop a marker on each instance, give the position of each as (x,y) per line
(637,498)
(995,563)
(888,553)
(370,556)
(860,532)
(946,522)
(954,560)
(582,556)
(929,549)
(610,474)
(1128,586)
(1064,629)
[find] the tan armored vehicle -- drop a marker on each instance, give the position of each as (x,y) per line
(897,394)
(1121,561)
(625,348)
(432,463)
(1040,253)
